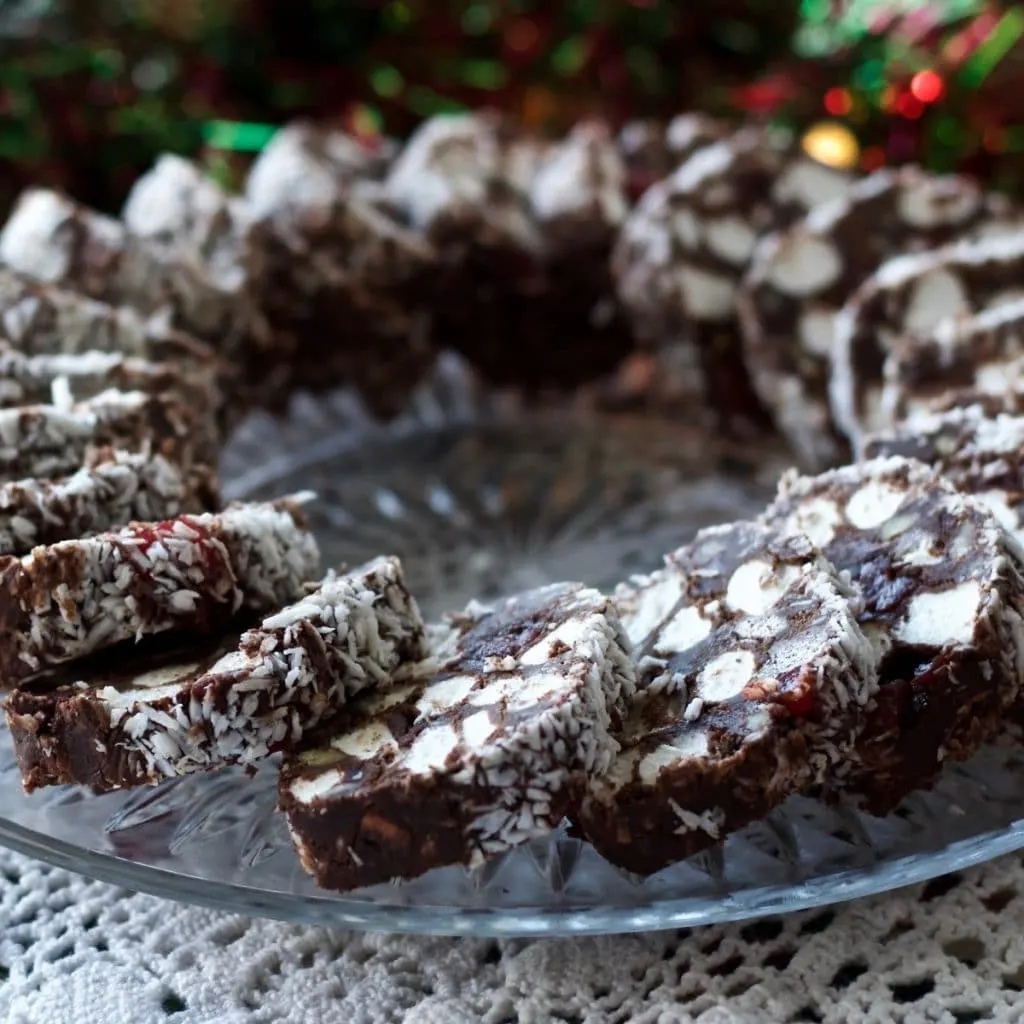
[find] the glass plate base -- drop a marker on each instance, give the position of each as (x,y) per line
(480,502)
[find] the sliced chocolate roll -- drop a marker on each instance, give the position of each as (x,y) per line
(136,720)
(800,278)
(70,599)
(965,361)
(754,681)
(906,301)
(478,752)
(112,489)
(345,283)
(942,594)
(980,455)
(523,229)
(50,238)
(687,244)
(41,319)
(63,379)
(50,441)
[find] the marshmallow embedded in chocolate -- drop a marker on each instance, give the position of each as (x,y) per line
(73,598)
(478,752)
(800,278)
(920,296)
(138,720)
(753,683)
(941,587)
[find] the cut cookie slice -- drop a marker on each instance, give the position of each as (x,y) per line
(50,238)
(980,455)
(461,765)
(183,709)
(71,599)
(62,379)
(942,591)
(974,360)
(111,490)
(687,244)
(911,298)
(345,282)
(50,441)
(41,319)
(754,680)
(800,278)
(523,229)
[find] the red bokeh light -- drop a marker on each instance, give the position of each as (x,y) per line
(838,102)
(927,86)
(909,106)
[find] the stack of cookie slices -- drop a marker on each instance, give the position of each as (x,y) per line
(864,630)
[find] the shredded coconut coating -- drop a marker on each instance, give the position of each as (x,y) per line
(754,681)
(177,206)
(306,166)
(919,296)
(39,319)
(61,378)
(941,587)
(800,278)
(50,441)
(50,238)
(182,713)
(70,599)
(113,489)
(478,752)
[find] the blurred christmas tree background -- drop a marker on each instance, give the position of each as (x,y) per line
(92,90)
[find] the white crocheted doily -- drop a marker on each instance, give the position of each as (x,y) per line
(74,951)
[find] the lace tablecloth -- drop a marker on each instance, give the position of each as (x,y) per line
(81,952)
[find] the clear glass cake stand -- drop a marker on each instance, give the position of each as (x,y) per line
(480,499)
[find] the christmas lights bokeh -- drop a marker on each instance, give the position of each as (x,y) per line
(91,92)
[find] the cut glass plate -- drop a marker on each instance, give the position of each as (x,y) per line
(480,499)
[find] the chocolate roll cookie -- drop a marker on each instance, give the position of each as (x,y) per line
(112,489)
(345,283)
(942,592)
(186,708)
(480,751)
(980,455)
(800,278)
(523,229)
(63,379)
(50,238)
(964,361)
(41,319)
(71,599)
(906,300)
(49,441)
(754,680)
(687,244)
